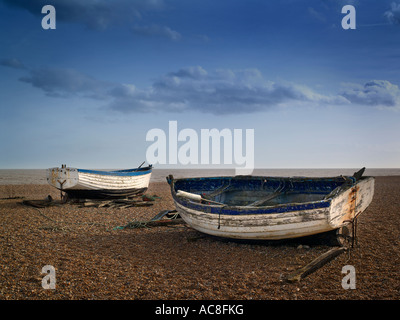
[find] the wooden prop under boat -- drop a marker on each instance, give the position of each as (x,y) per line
(95,184)
(271,208)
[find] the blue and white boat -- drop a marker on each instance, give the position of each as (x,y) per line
(95,184)
(269,208)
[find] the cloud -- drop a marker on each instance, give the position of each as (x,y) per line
(95,14)
(57,82)
(218,92)
(374,93)
(12,63)
(156,30)
(102,14)
(393,15)
(316,15)
(222,91)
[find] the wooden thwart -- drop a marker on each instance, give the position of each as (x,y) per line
(315,264)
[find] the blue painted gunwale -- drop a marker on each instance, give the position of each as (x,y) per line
(233,210)
(125,172)
(241,210)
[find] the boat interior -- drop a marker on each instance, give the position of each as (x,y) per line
(263,191)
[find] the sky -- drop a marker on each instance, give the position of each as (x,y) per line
(87,93)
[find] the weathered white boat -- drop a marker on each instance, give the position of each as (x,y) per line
(269,208)
(91,184)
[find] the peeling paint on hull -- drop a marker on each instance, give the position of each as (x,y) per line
(80,183)
(270,226)
(282,221)
(351,203)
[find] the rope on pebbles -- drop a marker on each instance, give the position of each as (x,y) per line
(171,217)
(157,220)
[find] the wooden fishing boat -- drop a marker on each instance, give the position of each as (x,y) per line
(95,184)
(269,208)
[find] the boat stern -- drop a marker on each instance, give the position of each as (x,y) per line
(350,204)
(62,178)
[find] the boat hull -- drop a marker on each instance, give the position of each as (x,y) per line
(284,221)
(93,184)
(263,227)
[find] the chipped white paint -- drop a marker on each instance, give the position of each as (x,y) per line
(352,202)
(258,226)
(63,178)
(72,179)
(109,182)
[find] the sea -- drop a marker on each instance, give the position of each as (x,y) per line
(38,176)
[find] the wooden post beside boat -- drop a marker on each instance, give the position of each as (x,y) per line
(315,264)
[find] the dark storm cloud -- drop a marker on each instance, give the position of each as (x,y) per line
(374,93)
(59,82)
(393,15)
(97,14)
(12,63)
(218,92)
(221,91)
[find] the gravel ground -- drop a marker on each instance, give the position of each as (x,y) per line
(92,260)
